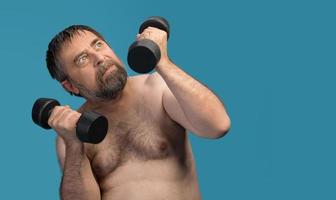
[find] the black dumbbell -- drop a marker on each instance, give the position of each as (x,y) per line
(143,55)
(90,128)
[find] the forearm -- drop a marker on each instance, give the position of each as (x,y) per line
(202,107)
(73,185)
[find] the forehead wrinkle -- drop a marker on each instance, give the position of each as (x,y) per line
(67,44)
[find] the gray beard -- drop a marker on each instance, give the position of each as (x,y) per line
(109,88)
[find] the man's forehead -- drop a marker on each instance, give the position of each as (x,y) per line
(77,43)
(82,37)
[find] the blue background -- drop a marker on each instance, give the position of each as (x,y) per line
(271,62)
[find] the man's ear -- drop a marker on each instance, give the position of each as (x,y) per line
(69,87)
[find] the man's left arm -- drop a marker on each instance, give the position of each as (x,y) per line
(186,100)
(191,104)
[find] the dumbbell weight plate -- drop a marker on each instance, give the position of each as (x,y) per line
(143,55)
(42,110)
(91,127)
(157,22)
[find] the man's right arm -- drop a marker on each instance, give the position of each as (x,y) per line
(78,181)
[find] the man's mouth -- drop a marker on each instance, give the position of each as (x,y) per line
(108,71)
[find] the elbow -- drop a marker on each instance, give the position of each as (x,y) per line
(222,129)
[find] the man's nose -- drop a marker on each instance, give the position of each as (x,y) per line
(99,59)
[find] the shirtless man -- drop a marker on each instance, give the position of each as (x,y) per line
(146,153)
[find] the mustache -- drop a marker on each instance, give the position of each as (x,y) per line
(104,66)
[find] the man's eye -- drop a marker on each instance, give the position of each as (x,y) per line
(82,59)
(99,44)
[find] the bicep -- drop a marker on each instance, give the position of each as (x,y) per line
(170,103)
(174,110)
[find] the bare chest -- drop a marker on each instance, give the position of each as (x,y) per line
(141,134)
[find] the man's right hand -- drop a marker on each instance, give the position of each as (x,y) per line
(63,120)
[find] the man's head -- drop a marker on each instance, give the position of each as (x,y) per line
(81,60)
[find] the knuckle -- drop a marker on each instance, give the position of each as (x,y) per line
(75,117)
(66,112)
(57,108)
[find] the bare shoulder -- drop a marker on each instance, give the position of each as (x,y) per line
(139,79)
(155,80)
(149,81)
(151,87)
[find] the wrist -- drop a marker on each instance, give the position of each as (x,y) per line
(73,144)
(164,64)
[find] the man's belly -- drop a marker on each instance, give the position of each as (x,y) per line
(151,180)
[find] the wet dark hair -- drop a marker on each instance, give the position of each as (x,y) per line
(52,56)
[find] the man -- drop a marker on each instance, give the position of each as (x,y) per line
(146,153)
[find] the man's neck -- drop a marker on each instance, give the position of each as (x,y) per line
(120,102)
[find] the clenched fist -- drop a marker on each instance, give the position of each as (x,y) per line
(160,38)
(64,120)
